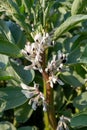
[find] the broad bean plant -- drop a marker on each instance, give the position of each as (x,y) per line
(43,64)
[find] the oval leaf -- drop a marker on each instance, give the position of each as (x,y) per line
(17,34)
(6,31)
(25,75)
(9,49)
(22,113)
(70,79)
(79,120)
(12,96)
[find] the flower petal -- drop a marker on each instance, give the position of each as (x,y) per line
(26,87)
(27,93)
(34,105)
(60,82)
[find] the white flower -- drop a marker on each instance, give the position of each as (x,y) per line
(38,57)
(43,39)
(34,51)
(60,67)
(34,105)
(35,97)
(38,37)
(28,91)
(44,106)
(26,87)
(54,66)
(62,123)
(59,54)
(51,65)
(54,79)
(62,57)
(28,47)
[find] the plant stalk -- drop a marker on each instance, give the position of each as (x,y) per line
(49,100)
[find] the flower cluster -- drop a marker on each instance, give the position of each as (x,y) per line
(54,66)
(36,98)
(62,123)
(34,51)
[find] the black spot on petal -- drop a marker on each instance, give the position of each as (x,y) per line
(64,61)
(28,53)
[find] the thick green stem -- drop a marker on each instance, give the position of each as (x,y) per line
(46,122)
(49,98)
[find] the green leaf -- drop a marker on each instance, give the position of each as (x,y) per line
(81,40)
(28,4)
(18,2)
(12,97)
(26,75)
(85,128)
(70,79)
(4,75)
(15,77)
(5,125)
(2,105)
(4,28)
(74,56)
(68,43)
(17,34)
(25,128)
(9,49)
(68,24)
(26,27)
(14,6)
(80,101)
(79,120)
(78,55)
(83,58)
(3,61)
(77,49)
(78,6)
(11,8)
(22,113)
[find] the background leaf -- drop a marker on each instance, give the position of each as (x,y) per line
(23,113)
(3,61)
(12,96)
(70,79)
(80,101)
(78,6)
(83,58)
(17,34)
(25,128)
(4,75)
(79,120)
(68,24)
(4,28)
(9,49)
(6,126)
(26,75)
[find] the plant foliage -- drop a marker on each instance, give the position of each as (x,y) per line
(66,23)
